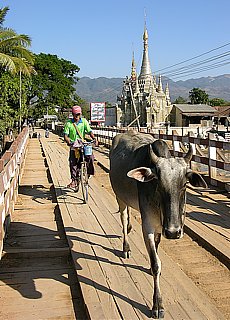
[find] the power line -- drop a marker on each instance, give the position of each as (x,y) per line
(199,62)
(205,68)
(200,55)
(205,64)
(194,68)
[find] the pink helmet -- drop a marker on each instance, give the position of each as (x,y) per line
(76,109)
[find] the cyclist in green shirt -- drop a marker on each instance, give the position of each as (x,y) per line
(74,132)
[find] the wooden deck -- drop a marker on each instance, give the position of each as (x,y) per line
(37,280)
(113,287)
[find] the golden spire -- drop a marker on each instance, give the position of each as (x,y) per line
(133,72)
(145,67)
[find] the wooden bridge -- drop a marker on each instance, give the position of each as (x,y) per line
(62,259)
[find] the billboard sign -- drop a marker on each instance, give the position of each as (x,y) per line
(97,111)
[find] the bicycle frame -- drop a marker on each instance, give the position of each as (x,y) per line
(84,179)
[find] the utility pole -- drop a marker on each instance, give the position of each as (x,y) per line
(47,113)
(20,100)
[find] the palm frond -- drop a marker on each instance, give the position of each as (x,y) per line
(14,53)
(16,40)
(7,33)
(7,63)
(22,65)
(3,12)
(19,52)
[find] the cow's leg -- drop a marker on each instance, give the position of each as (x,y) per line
(126,225)
(157,240)
(129,227)
(152,241)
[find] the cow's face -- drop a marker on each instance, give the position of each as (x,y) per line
(172,176)
(171,191)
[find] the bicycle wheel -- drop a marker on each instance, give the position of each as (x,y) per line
(84,181)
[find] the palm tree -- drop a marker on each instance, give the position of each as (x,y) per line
(14,54)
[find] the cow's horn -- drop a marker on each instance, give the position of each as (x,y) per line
(188,156)
(153,156)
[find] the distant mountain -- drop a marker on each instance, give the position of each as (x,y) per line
(107,89)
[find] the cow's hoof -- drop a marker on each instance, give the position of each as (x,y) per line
(127,254)
(158,313)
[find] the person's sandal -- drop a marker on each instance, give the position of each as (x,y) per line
(72,184)
(76,186)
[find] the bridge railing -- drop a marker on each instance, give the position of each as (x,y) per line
(211,157)
(11,168)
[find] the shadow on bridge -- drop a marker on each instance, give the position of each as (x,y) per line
(23,273)
(209,209)
(37,192)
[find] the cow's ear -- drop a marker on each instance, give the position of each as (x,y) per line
(142,174)
(196,179)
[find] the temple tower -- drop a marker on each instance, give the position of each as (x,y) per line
(142,96)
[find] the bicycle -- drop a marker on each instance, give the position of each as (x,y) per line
(85,150)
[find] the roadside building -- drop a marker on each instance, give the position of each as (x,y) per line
(184,115)
(222,115)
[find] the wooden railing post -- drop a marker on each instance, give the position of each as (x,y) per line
(211,156)
(191,134)
(176,143)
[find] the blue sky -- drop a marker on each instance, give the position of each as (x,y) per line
(100,36)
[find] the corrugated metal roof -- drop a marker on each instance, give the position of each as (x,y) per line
(195,108)
(197,114)
(222,111)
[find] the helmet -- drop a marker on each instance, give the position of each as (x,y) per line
(76,109)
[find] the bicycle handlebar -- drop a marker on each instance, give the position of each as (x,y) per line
(85,143)
(82,144)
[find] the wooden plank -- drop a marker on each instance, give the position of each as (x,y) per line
(81,252)
(112,267)
(81,264)
(36,252)
(219,246)
(83,229)
(216,202)
(38,285)
(56,313)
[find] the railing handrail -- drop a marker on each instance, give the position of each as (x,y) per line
(10,176)
(212,146)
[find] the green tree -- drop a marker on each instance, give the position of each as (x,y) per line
(180,100)
(15,58)
(9,99)
(53,85)
(218,102)
(198,96)
(108,104)
(14,53)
